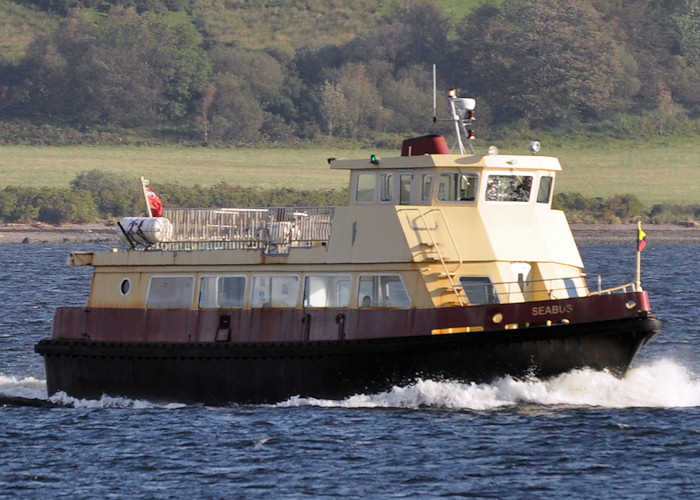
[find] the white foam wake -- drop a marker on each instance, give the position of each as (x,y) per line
(26,388)
(663,384)
(27,391)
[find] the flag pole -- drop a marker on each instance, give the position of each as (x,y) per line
(144,183)
(640,239)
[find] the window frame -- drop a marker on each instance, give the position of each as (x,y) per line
(218,295)
(456,193)
(370,196)
(489,290)
(500,194)
(392,305)
(174,305)
(271,301)
(338,279)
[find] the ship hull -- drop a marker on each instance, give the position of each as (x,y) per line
(268,372)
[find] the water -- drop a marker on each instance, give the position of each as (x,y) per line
(581,435)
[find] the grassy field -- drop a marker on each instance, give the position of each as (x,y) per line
(655,174)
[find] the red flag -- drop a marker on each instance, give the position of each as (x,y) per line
(154,202)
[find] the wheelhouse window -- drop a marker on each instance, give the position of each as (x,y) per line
(382,290)
(545,190)
(366,187)
(387,187)
(222,292)
(170,292)
(509,188)
(426,187)
(405,188)
(455,186)
(479,289)
(321,290)
(274,291)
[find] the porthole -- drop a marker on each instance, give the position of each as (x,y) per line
(125,286)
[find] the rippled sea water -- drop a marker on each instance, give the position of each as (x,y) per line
(581,435)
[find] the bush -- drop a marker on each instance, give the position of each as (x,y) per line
(619,208)
(675,214)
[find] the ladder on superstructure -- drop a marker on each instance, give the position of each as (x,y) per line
(434,245)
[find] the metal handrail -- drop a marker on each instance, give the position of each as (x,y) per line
(273,230)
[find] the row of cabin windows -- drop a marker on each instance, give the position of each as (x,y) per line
(451,187)
(320,290)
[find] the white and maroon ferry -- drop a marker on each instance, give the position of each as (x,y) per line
(441,266)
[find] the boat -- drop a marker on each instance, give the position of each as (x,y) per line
(443,265)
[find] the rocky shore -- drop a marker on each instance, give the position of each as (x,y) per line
(584,233)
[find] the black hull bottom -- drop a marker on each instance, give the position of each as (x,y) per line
(221,373)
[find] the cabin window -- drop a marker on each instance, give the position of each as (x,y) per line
(222,292)
(387,187)
(382,290)
(274,291)
(426,187)
(453,186)
(125,286)
(365,187)
(509,188)
(405,188)
(170,292)
(545,190)
(327,291)
(479,289)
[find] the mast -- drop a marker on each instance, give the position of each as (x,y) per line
(461,114)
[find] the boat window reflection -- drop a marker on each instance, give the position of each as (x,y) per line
(387,187)
(509,188)
(545,190)
(170,292)
(222,291)
(479,289)
(274,291)
(454,186)
(327,291)
(366,187)
(382,290)
(426,187)
(405,188)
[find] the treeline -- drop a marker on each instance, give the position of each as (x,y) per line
(602,66)
(103,196)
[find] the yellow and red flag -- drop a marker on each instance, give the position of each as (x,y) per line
(641,238)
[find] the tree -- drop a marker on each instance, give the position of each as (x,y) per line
(334,106)
(125,69)
(202,118)
(236,114)
(364,108)
(543,60)
(687,22)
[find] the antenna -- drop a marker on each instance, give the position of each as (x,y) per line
(434,93)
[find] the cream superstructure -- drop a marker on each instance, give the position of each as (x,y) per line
(457,229)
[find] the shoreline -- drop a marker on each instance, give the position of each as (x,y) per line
(583,233)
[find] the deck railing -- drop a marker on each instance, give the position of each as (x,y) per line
(272,230)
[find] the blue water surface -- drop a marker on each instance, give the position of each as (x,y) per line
(581,435)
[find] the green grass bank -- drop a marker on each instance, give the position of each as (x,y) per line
(655,174)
